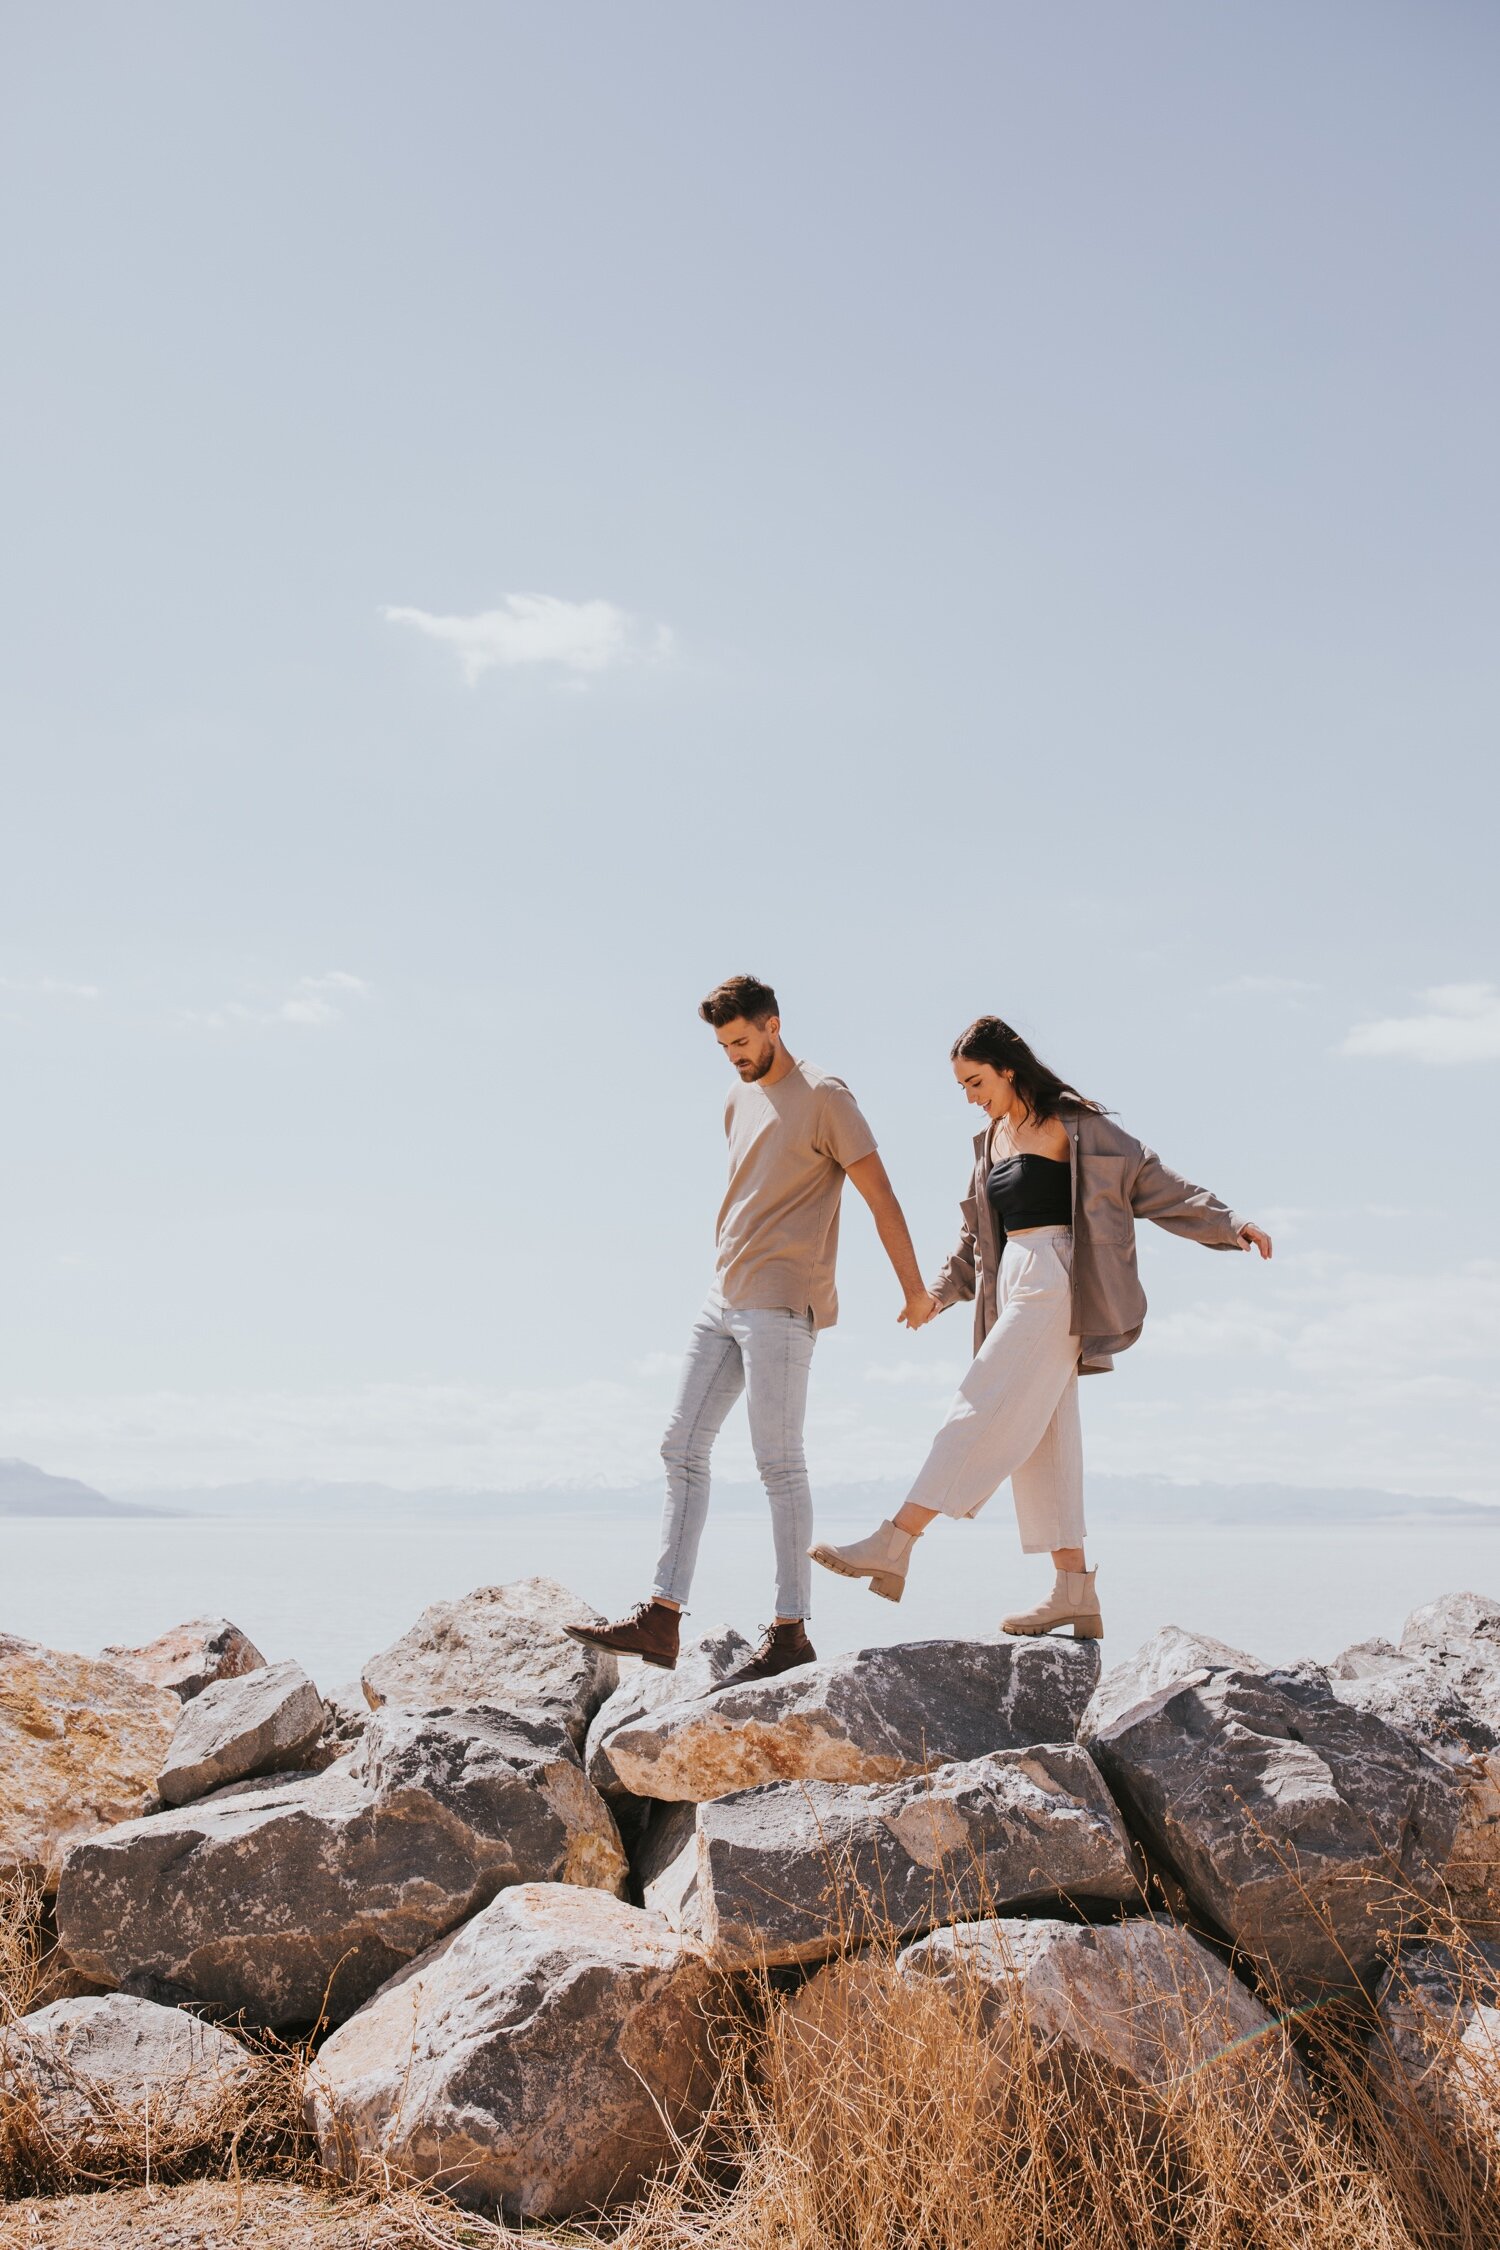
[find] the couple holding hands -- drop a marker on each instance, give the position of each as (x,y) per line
(1046,1252)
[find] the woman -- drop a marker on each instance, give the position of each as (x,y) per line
(1047,1253)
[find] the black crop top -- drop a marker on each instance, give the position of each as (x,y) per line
(1031,1191)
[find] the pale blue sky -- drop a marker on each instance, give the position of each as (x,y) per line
(1040,466)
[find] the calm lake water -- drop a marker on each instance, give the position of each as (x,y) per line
(332,1594)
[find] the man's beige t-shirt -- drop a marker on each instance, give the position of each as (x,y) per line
(789,1147)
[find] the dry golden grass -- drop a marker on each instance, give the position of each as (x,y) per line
(927,2124)
(21,1945)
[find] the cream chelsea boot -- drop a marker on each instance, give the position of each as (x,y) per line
(1072,1601)
(882,1558)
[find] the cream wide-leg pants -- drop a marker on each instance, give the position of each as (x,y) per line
(1016,1413)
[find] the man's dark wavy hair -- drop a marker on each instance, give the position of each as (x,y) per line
(735,997)
(989,1040)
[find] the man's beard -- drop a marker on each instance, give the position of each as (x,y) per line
(756,1071)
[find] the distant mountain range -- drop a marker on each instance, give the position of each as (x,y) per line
(26,1491)
(29,1491)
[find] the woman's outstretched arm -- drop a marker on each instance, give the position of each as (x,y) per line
(1160,1194)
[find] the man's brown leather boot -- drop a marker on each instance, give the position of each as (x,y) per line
(651,1631)
(784,1647)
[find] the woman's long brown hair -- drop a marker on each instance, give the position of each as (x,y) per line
(988,1040)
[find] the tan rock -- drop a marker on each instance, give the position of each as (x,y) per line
(191,1656)
(92,2066)
(1439,2010)
(268,1722)
(1165,1661)
(1447,1696)
(799,1870)
(295,1901)
(877,1714)
(1144,2000)
(1298,1823)
(81,1744)
(541,2059)
(501,1645)
(644,1687)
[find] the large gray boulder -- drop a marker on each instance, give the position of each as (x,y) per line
(81,1744)
(1453,1625)
(1143,2000)
(1442,1687)
(797,1870)
(1439,2034)
(1300,1825)
(541,2059)
(294,1900)
(1366,1660)
(502,1646)
(646,1687)
(1170,1655)
(267,1721)
(190,1657)
(880,1714)
(88,2067)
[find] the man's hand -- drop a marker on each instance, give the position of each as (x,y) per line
(920,1307)
(1255,1238)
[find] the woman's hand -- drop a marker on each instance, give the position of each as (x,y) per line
(920,1307)
(1255,1238)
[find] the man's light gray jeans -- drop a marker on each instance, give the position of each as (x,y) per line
(767,1355)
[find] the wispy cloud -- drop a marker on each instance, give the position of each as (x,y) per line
(49,988)
(575,637)
(1460,1024)
(412,1433)
(1331,1319)
(1283,988)
(311,1003)
(1315,1371)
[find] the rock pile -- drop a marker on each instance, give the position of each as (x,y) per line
(512,1891)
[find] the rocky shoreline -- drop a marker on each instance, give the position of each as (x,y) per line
(505,1891)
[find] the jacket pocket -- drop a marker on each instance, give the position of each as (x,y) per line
(1104,1211)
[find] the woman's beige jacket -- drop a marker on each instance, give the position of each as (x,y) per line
(1115,1182)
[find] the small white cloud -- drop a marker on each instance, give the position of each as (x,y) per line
(1268,987)
(312,1001)
(578,637)
(316,999)
(1461,1024)
(652,1364)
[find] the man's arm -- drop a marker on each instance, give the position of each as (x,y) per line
(870,1177)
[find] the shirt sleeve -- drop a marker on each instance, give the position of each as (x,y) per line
(959,1277)
(842,1131)
(1174,1203)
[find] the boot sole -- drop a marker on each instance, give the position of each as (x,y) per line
(754,1679)
(885,1583)
(613,1648)
(1084,1629)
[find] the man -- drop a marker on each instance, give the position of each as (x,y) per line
(794,1135)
